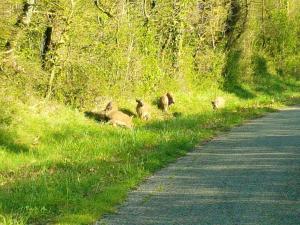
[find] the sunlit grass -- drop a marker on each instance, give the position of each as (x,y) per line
(60,167)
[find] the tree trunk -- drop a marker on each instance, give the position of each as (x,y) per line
(11,44)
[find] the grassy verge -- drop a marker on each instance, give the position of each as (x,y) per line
(59,167)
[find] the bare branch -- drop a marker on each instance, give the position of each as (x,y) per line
(145,9)
(101,7)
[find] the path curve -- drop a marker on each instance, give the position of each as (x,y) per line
(249,176)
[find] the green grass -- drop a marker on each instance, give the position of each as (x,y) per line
(60,167)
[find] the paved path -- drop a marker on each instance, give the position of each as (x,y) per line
(248,176)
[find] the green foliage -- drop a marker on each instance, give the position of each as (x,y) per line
(119,47)
(279,37)
(137,49)
(281,34)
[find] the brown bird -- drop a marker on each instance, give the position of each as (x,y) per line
(218,103)
(142,110)
(116,117)
(119,118)
(165,101)
(111,106)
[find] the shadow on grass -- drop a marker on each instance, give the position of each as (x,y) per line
(232,72)
(128,112)
(100,116)
(97,116)
(267,83)
(264,82)
(232,75)
(8,142)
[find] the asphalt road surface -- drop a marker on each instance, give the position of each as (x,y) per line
(250,175)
